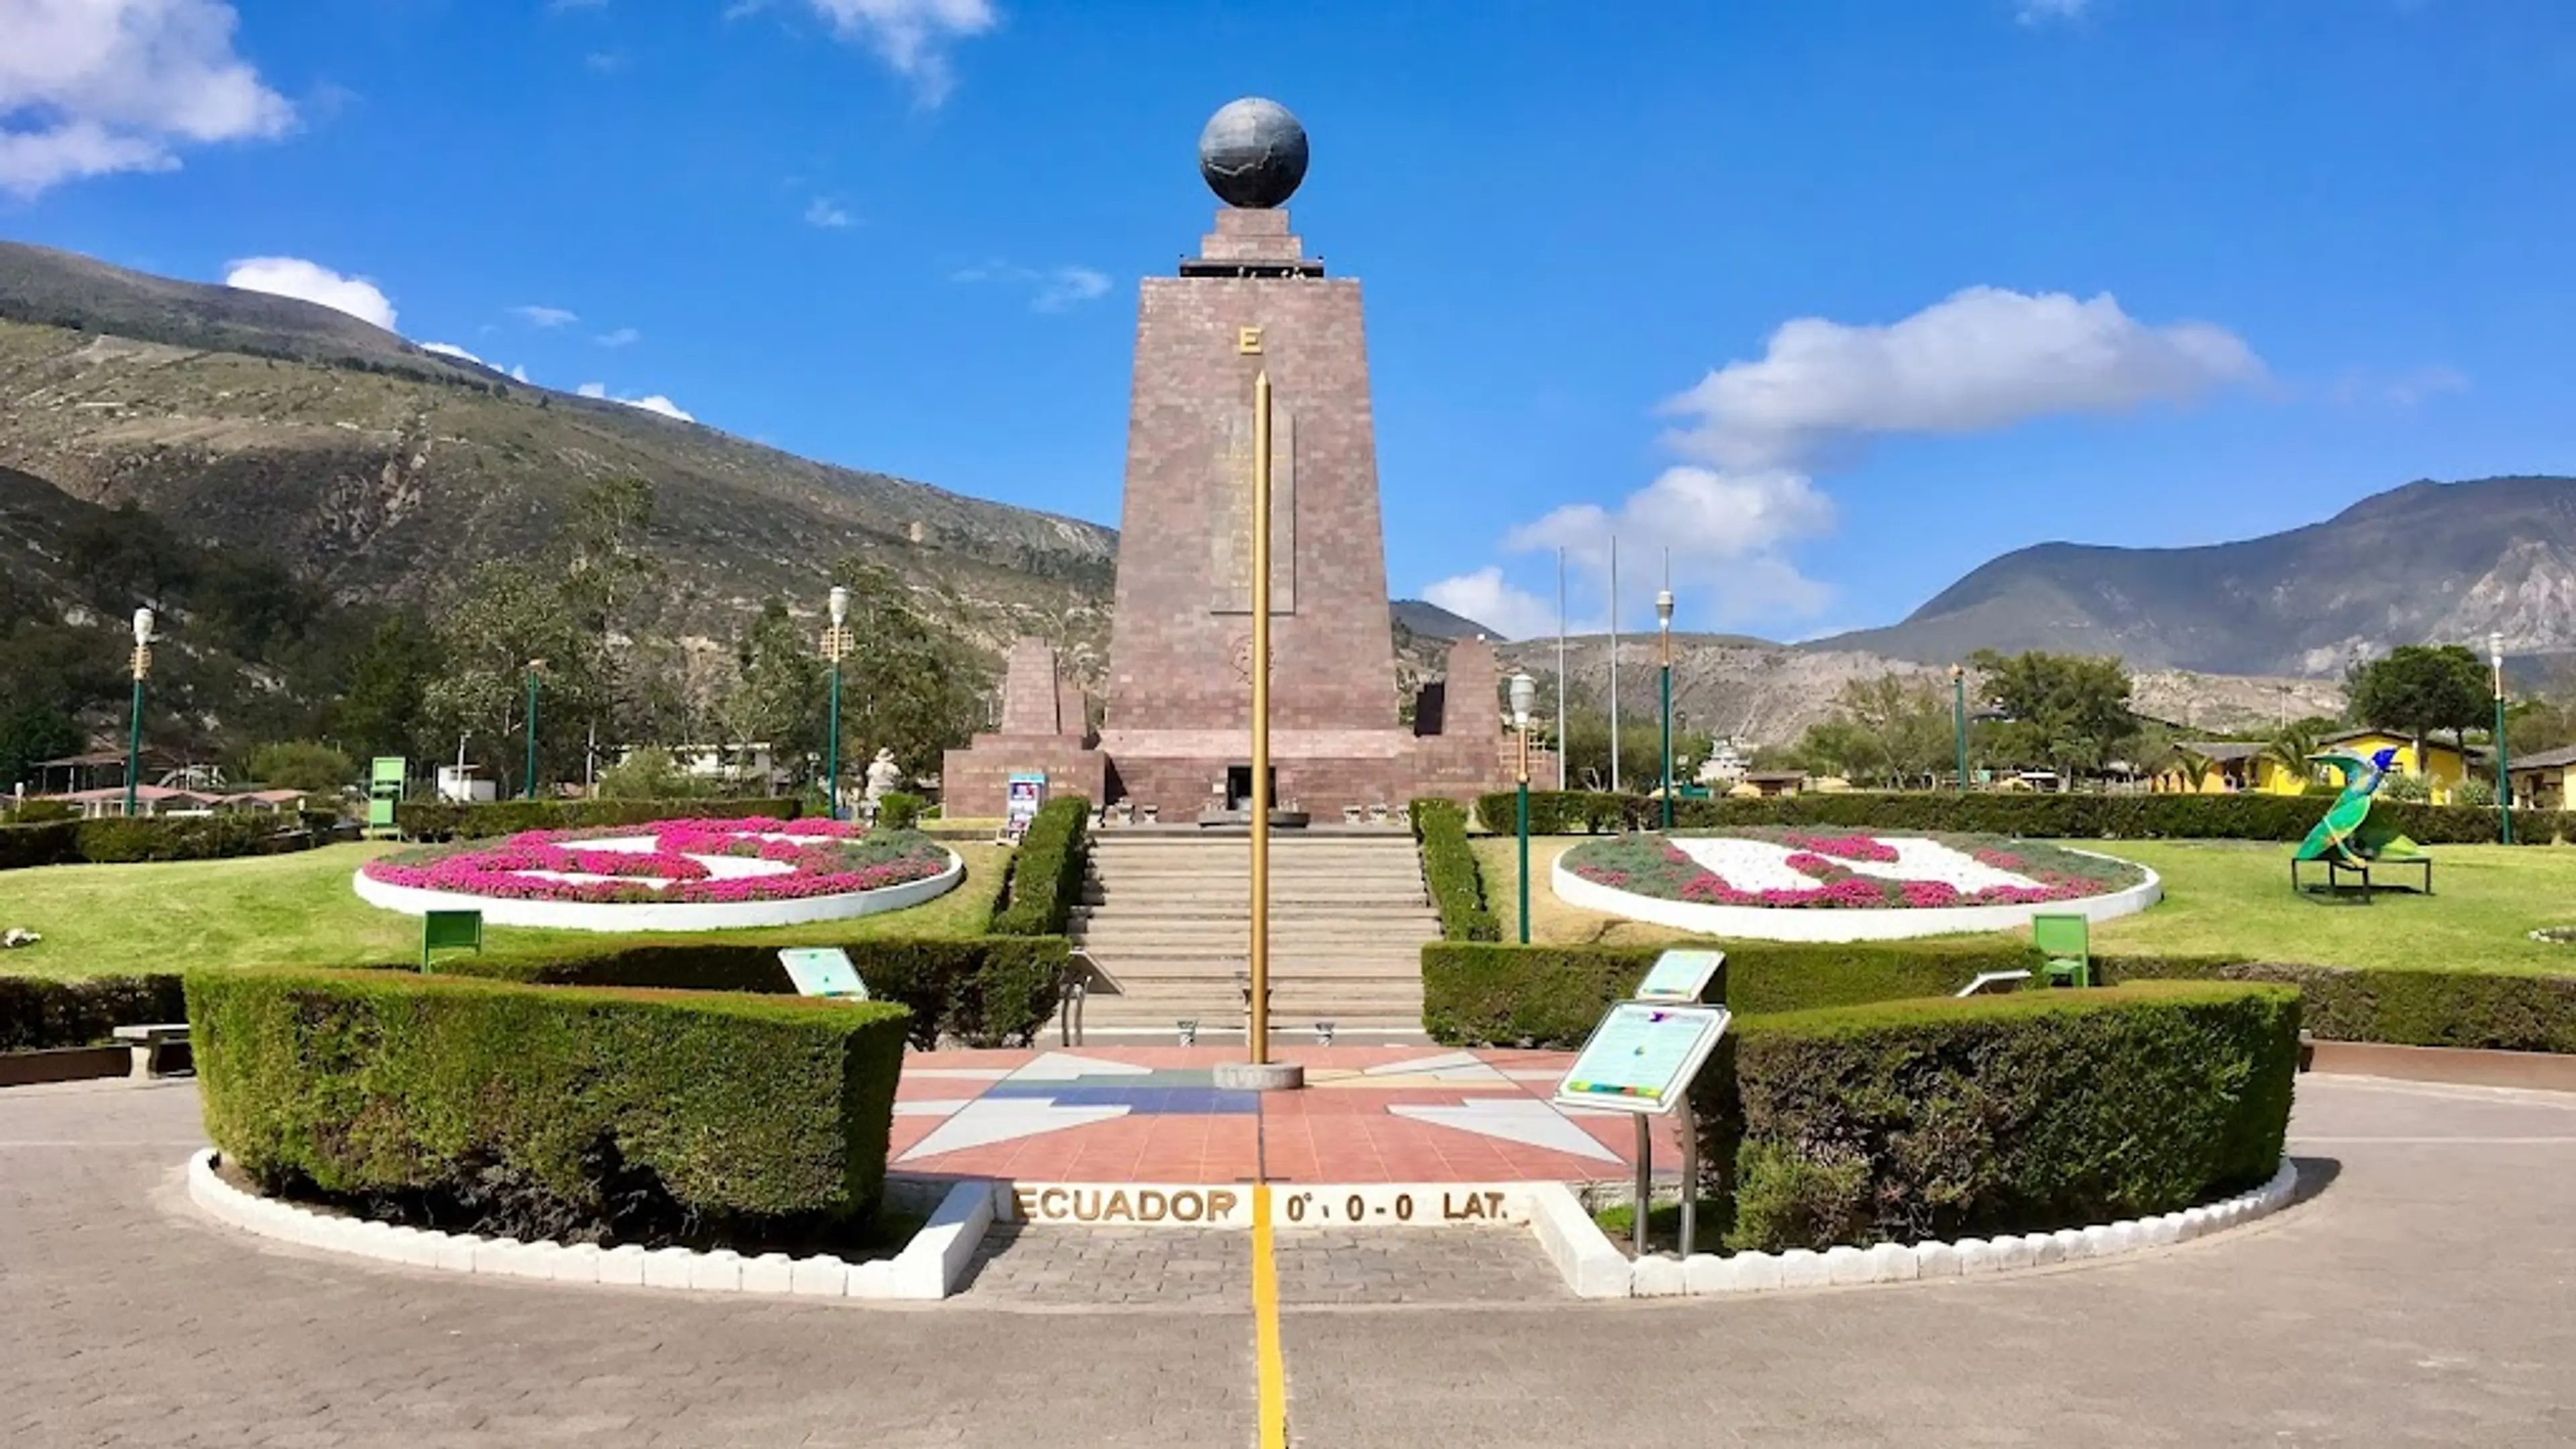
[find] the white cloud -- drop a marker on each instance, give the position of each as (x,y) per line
(622,337)
(89,87)
(2404,390)
(652,403)
(1756,432)
(450,349)
(1983,358)
(519,372)
(1485,597)
(1057,289)
(296,277)
(910,35)
(543,316)
(824,214)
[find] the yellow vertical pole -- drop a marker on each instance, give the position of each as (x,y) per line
(1260,1028)
(1260,718)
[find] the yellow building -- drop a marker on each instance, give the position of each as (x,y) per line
(2235,767)
(2445,764)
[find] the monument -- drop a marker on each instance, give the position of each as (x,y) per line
(1176,729)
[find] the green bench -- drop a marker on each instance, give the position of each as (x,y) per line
(2065,942)
(449,931)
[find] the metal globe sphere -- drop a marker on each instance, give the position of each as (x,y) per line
(1253,153)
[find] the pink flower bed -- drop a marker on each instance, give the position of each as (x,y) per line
(1650,865)
(829,858)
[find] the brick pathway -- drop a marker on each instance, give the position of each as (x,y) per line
(1178,1268)
(1414,1265)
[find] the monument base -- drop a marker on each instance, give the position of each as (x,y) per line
(1260,1076)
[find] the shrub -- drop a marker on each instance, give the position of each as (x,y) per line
(23,847)
(898,810)
(647,774)
(2491,1010)
(2474,793)
(307,765)
(42,812)
(982,991)
(2406,789)
(1046,871)
(2248,816)
(441,820)
(37,1013)
(2040,1110)
(611,1115)
(1449,869)
(1550,996)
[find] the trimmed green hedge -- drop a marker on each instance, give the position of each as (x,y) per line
(440,820)
(2040,1110)
(115,840)
(982,991)
(2495,1011)
(2067,817)
(1449,869)
(1046,871)
(624,1115)
(37,1013)
(1549,996)
(898,810)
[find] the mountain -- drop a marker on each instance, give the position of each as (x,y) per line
(1430,621)
(2428,562)
(381,472)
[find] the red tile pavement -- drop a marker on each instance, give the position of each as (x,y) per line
(1338,1130)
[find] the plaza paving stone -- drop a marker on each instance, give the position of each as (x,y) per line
(2419,1295)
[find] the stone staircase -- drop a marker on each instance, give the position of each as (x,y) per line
(1166,916)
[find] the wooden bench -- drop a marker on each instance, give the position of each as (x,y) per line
(150,1044)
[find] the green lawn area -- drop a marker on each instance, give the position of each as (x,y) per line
(2221,897)
(101,920)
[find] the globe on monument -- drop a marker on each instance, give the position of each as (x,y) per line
(1253,153)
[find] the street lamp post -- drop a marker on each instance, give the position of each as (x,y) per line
(1524,694)
(529,790)
(1959,720)
(1664,627)
(134,725)
(836,644)
(2504,776)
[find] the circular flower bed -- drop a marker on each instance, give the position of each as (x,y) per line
(1747,882)
(671,875)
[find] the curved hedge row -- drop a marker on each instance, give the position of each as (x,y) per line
(551,1112)
(1450,872)
(1047,870)
(2040,1110)
(115,840)
(2068,817)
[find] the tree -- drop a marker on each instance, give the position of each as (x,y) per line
(1908,723)
(778,697)
(1587,748)
(514,614)
(2292,744)
(2067,712)
(381,711)
(2419,688)
(306,765)
(907,687)
(30,731)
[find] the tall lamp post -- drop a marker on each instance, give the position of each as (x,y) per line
(529,790)
(1524,694)
(2504,776)
(1959,720)
(1664,627)
(134,726)
(836,644)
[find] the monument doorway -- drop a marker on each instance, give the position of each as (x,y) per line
(1238,787)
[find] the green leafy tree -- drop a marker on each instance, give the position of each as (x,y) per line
(2066,712)
(31,730)
(2292,744)
(513,616)
(909,686)
(307,765)
(779,696)
(2419,688)
(1587,755)
(648,774)
(381,712)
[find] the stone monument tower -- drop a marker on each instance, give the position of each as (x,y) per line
(1177,723)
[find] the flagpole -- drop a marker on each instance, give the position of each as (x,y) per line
(1560,667)
(1614,664)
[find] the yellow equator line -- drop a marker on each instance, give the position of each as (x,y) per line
(1270,1370)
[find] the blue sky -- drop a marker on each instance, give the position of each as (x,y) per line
(1835,298)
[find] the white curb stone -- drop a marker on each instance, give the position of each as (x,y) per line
(623,1265)
(871,1280)
(1756,1272)
(2045,1249)
(2097,1241)
(2014,1252)
(1976,1255)
(1802,1268)
(667,1267)
(578,1263)
(1893,1263)
(716,1272)
(1659,1277)
(1707,1273)
(2072,1245)
(2162,1230)
(1936,1260)
(1584,1258)
(1847,1265)
(821,1276)
(2124,1236)
(456,1251)
(769,1273)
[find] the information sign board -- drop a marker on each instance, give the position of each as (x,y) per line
(1642,1056)
(1680,976)
(823,971)
(1027,793)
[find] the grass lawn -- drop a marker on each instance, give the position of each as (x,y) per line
(2221,897)
(276,910)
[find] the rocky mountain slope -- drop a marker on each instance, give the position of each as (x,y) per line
(2428,562)
(384,472)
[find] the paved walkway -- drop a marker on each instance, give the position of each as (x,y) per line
(2422,1296)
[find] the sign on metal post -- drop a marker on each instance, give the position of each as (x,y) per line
(1641,1059)
(823,971)
(1680,976)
